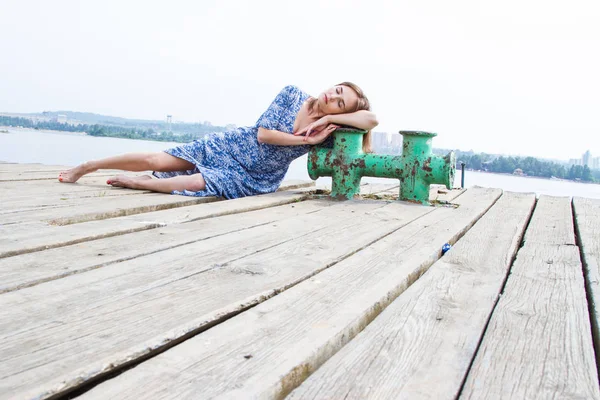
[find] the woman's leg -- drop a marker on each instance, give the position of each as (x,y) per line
(162,162)
(193,183)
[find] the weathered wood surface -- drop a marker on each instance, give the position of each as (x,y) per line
(65,211)
(92,209)
(24,238)
(437,193)
(33,268)
(13,173)
(422,345)
(555,225)
(378,188)
(247,298)
(538,343)
(268,350)
(45,175)
(32,190)
(587,224)
(40,200)
(62,333)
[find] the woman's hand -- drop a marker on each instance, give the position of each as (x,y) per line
(317,126)
(319,137)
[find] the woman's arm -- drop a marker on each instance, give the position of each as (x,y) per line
(280,138)
(360,119)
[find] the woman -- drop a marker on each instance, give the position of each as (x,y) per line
(244,161)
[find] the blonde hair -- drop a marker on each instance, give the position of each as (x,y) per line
(362,104)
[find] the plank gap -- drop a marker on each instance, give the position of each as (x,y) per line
(124,212)
(588,288)
(503,287)
(79,240)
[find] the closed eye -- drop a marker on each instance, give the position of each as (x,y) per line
(341,103)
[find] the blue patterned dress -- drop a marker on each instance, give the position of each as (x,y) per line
(234,164)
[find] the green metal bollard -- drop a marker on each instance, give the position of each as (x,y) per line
(416,168)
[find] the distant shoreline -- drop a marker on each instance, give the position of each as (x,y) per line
(55,132)
(529,176)
(8,129)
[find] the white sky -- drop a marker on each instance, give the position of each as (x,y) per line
(514,76)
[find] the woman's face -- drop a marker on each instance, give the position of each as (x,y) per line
(337,100)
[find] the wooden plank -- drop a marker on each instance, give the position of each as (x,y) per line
(538,343)
(32,237)
(268,350)
(40,190)
(441,195)
(61,334)
(437,193)
(43,175)
(376,188)
(59,199)
(25,173)
(12,211)
(65,211)
(43,186)
(557,227)
(422,345)
(587,223)
(99,208)
(292,184)
(390,191)
(34,268)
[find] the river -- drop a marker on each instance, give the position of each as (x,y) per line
(58,148)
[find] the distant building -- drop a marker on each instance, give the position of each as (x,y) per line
(518,171)
(61,118)
(595,163)
(575,161)
(586,158)
(397,141)
(380,141)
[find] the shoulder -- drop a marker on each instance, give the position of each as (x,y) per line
(292,89)
(288,95)
(293,92)
(289,88)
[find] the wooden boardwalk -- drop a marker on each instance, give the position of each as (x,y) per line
(110,293)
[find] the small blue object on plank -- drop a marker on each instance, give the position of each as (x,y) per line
(445,248)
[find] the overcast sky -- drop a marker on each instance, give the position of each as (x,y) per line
(514,76)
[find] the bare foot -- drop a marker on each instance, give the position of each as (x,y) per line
(127,181)
(73,174)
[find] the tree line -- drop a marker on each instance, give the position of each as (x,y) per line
(528,165)
(197,130)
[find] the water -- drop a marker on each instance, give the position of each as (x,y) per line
(58,148)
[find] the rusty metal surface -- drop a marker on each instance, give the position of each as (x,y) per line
(416,168)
